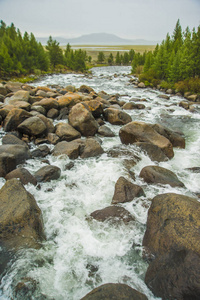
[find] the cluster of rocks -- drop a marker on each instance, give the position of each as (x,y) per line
(27,114)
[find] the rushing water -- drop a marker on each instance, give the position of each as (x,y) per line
(81,254)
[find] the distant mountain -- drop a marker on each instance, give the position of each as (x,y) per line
(98,39)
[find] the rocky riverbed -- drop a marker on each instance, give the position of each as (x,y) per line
(99,190)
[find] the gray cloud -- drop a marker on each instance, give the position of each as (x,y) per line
(149,19)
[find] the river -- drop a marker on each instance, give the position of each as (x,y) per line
(81,254)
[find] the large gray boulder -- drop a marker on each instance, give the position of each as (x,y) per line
(15,117)
(126,191)
(156,174)
(116,116)
(91,148)
(33,126)
(114,291)
(141,132)
(20,219)
(20,152)
(71,149)
(82,120)
(66,132)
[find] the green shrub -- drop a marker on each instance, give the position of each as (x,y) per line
(189,85)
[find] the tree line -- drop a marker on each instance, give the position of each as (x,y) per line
(173,63)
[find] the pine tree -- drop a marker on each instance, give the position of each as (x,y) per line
(118,59)
(55,52)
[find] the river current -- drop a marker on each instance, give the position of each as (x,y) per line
(81,254)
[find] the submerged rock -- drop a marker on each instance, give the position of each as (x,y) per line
(20,219)
(115,291)
(153,151)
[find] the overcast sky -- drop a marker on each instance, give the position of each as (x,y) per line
(145,19)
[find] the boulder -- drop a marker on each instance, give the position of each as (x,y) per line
(131,105)
(141,85)
(7,163)
(20,95)
(3,90)
(173,224)
(86,89)
(142,132)
(39,109)
(71,149)
(172,237)
(15,117)
(176,139)
(105,131)
(69,100)
(23,105)
(115,214)
(63,114)
(115,291)
(163,96)
(95,107)
(33,126)
(126,191)
(47,173)
(20,220)
(156,174)
(52,138)
(66,132)
(116,116)
(23,174)
(91,148)
(13,86)
(47,103)
(53,113)
(40,151)
(11,139)
(82,120)
(48,122)
(175,275)
(153,151)
(20,152)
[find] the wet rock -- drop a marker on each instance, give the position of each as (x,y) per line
(175,275)
(69,166)
(33,126)
(194,169)
(63,114)
(71,149)
(39,109)
(116,116)
(153,151)
(172,237)
(52,138)
(192,98)
(48,122)
(11,139)
(66,132)
(47,103)
(105,131)
(20,152)
(13,86)
(163,96)
(70,88)
(85,89)
(7,163)
(142,132)
(173,224)
(131,105)
(95,107)
(18,96)
(126,191)
(122,151)
(41,151)
(14,118)
(115,291)
(20,220)
(23,105)
(115,214)
(53,113)
(47,173)
(82,120)
(156,174)
(69,100)
(3,90)
(23,174)
(141,85)
(91,148)
(184,104)
(176,139)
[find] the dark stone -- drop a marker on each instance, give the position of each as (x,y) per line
(105,131)
(115,214)
(114,291)
(23,174)
(20,152)
(153,151)
(47,173)
(41,151)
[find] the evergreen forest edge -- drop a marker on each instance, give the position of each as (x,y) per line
(175,63)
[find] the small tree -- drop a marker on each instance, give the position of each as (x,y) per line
(101,57)
(55,52)
(118,59)
(110,59)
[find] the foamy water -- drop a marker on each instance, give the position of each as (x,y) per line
(81,254)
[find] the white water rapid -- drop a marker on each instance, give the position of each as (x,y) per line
(81,254)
